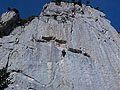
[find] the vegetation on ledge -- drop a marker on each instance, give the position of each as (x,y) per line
(4,78)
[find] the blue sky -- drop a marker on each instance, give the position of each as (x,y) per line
(33,7)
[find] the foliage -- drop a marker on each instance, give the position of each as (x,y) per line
(1,33)
(87,2)
(73,1)
(4,78)
(15,10)
(97,8)
(31,18)
(80,2)
(21,21)
(9,9)
(57,1)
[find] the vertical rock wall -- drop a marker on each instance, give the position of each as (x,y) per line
(66,48)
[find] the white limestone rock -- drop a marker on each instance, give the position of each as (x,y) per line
(70,50)
(8,21)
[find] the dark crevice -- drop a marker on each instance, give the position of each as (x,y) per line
(48,38)
(38,40)
(63,53)
(71,28)
(86,54)
(104,40)
(20,71)
(96,20)
(74,50)
(61,41)
(78,51)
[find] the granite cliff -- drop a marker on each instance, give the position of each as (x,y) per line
(68,47)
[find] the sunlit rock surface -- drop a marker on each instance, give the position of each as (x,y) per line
(8,21)
(66,48)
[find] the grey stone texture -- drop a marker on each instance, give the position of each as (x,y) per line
(67,47)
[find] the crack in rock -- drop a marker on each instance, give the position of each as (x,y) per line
(61,41)
(20,71)
(49,38)
(78,51)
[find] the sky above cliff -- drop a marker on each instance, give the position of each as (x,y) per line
(33,7)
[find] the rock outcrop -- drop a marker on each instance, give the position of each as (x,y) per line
(68,47)
(8,21)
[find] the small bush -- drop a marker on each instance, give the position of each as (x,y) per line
(80,2)
(9,9)
(87,2)
(97,8)
(57,1)
(4,78)
(1,33)
(15,10)
(31,18)
(73,1)
(21,21)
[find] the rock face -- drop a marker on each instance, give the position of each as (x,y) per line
(67,47)
(8,21)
